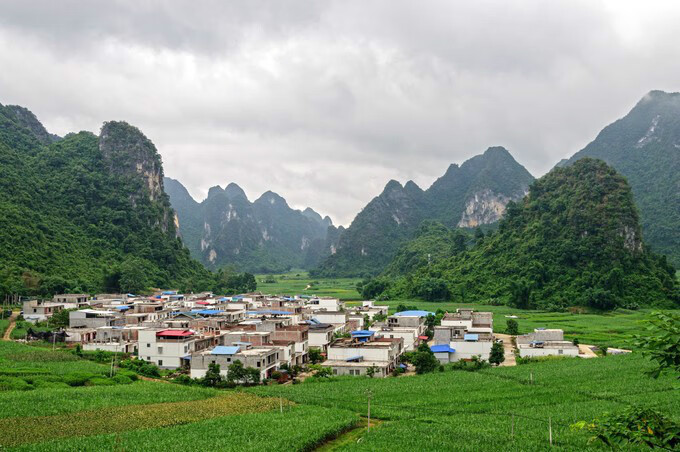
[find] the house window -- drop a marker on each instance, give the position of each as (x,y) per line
(213,361)
(228,360)
(160,362)
(560,352)
(148,345)
(258,364)
(335,371)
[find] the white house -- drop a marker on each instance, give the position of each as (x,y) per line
(167,348)
(545,342)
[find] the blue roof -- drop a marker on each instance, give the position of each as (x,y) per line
(471,337)
(403,366)
(270,312)
(208,311)
(354,358)
(362,333)
(442,349)
(122,308)
(170,292)
(413,313)
(223,299)
(225,350)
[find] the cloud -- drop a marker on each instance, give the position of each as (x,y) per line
(324,102)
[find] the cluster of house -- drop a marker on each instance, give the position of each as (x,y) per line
(173,330)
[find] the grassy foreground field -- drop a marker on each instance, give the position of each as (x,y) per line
(45,413)
(475,410)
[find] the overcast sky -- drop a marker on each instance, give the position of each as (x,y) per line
(323,102)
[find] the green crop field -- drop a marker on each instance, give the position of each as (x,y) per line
(612,329)
(54,400)
(475,410)
(300,283)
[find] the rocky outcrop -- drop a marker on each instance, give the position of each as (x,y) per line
(484,207)
(470,194)
(129,152)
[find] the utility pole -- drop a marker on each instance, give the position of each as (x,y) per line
(512,427)
(550,429)
(369,393)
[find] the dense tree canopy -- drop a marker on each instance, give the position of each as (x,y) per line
(73,220)
(574,240)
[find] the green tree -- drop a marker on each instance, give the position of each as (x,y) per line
(424,360)
(370,372)
(662,343)
(497,355)
(236,372)
(60,319)
(315,355)
(212,377)
(134,274)
(512,327)
(252,375)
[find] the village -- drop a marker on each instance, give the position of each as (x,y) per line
(273,334)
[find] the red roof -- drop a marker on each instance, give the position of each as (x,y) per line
(202,302)
(423,338)
(174,333)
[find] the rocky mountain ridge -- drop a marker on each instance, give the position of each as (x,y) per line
(261,236)
(472,194)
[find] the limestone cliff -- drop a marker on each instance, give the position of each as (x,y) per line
(484,207)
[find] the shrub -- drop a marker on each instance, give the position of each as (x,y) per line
(101,381)
(78,378)
(14,384)
(122,379)
(512,327)
(473,365)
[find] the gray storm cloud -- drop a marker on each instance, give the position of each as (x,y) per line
(324,102)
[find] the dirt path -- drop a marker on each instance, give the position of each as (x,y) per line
(349,437)
(585,351)
(10,327)
(508,348)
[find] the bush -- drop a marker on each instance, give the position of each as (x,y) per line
(122,379)
(131,375)
(14,384)
(78,378)
(101,381)
(473,365)
(512,327)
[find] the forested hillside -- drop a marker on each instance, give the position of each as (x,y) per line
(263,236)
(86,213)
(644,146)
(574,240)
(468,196)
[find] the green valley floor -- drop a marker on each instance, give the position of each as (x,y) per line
(492,409)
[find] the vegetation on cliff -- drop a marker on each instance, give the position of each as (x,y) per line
(86,213)
(574,240)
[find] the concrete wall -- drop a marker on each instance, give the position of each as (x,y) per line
(467,349)
(549,351)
